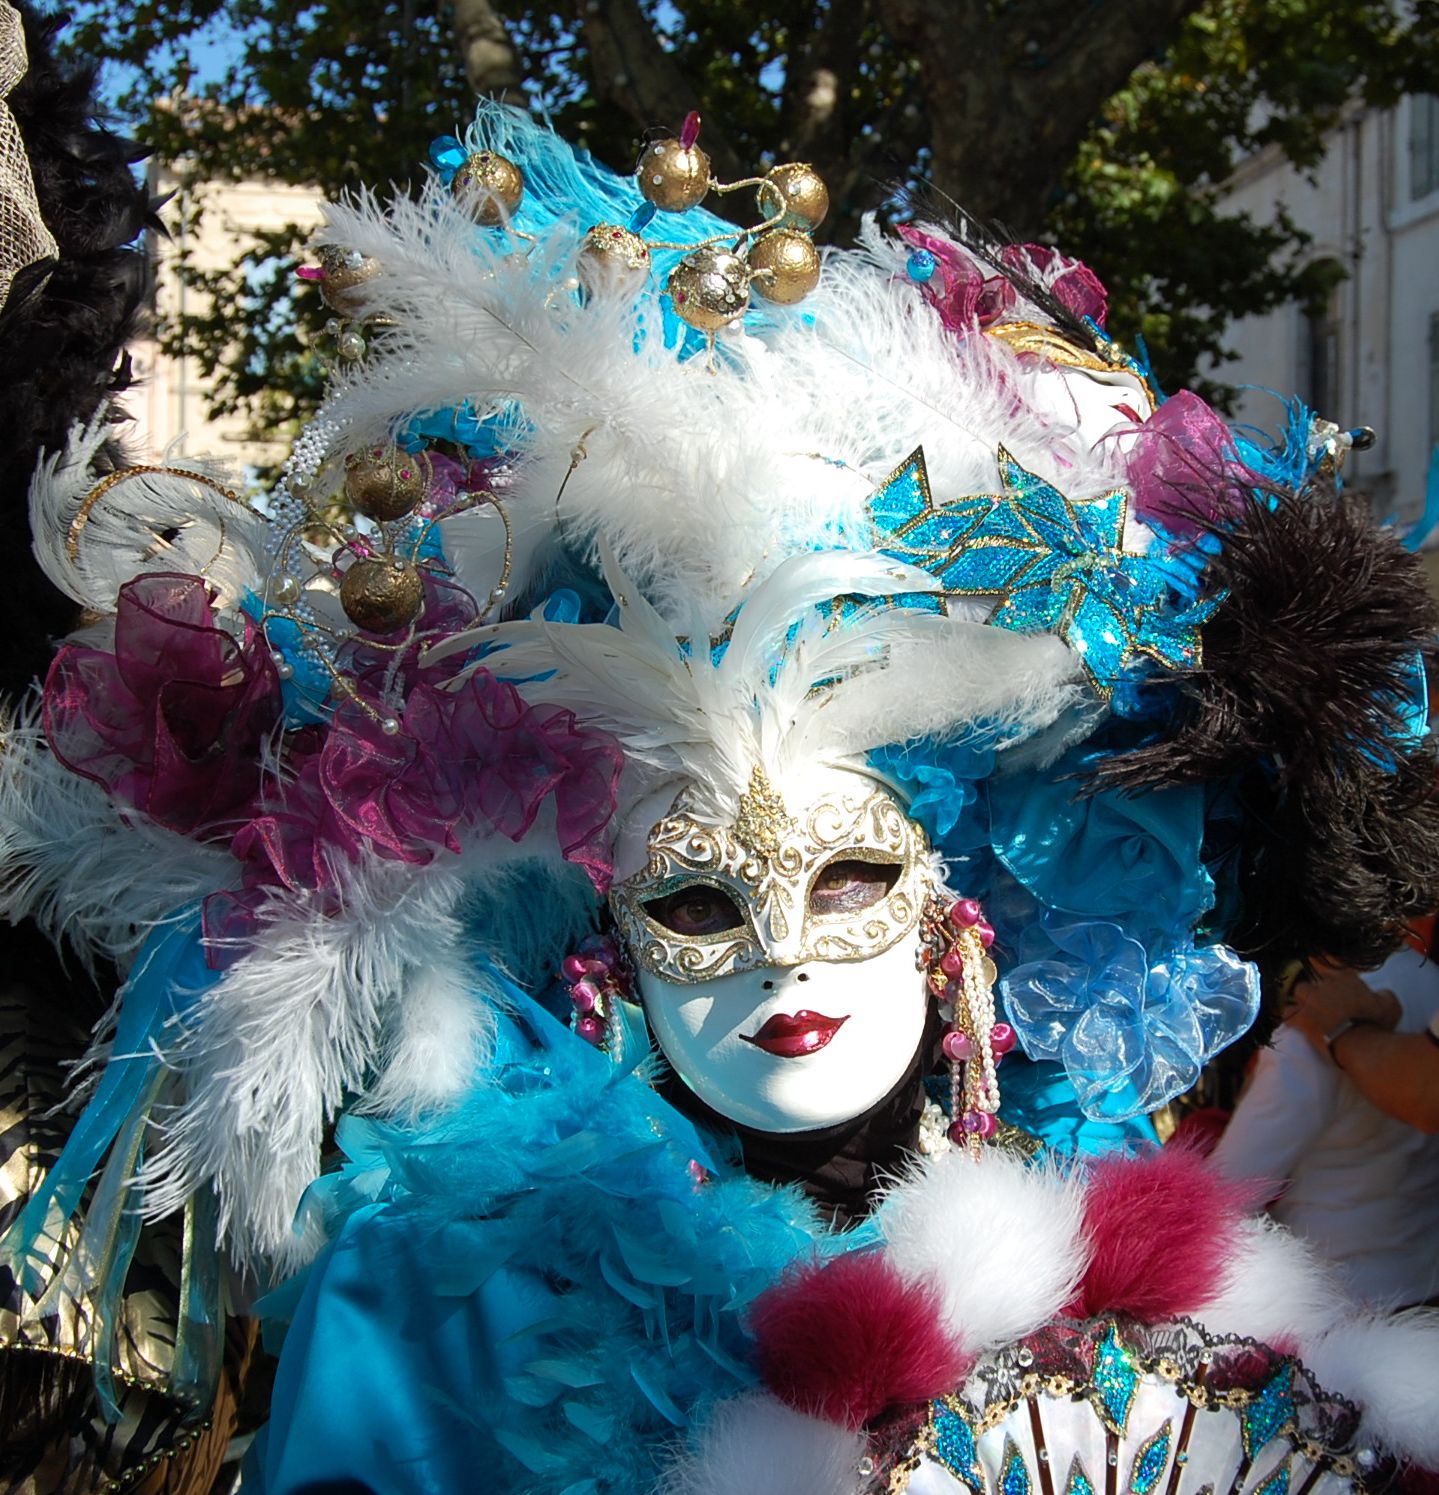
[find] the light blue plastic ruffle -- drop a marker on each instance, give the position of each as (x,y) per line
(945,786)
(168,976)
(1131,1032)
(1038,1097)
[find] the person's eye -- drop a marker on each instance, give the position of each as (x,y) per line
(696,910)
(847,886)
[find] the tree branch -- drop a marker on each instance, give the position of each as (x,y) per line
(633,71)
(491,62)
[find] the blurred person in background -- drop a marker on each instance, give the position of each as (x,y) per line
(1326,1117)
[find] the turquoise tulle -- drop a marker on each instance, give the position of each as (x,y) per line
(562,1265)
(1131,1030)
(167,978)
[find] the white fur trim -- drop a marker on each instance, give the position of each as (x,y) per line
(1000,1240)
(1274,1289)
(755,1445)
(1387,1366)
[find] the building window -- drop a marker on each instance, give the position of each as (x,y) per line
(1423,145)
(1318,341)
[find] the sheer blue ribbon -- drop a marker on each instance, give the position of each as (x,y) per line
(168,976)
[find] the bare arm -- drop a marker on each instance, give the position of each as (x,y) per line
(1396,1072)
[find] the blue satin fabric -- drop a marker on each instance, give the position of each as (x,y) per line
(384,1372)
(1133,859)
(1039,1098)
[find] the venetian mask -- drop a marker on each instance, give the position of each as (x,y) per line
(777,956)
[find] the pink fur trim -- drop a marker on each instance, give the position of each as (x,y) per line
(1161,1228)
(846,1340)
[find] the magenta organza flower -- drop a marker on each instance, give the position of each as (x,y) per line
(173,721)
(183,722)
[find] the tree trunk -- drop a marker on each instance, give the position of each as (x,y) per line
(491,62)
(1011,91)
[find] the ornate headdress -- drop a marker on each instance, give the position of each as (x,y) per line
(609,497)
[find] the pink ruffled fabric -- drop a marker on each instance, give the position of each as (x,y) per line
(175,721)
(1074,285)
(967,299)
(1184,470)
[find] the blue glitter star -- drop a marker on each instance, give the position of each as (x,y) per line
(1116,1380)
(1079,1482)
(1270,1413)
(1278,1482)
(1013,1472)
(1150,1460)
(1055,563)
(954,1446)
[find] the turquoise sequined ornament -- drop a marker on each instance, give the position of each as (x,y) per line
(1054,563)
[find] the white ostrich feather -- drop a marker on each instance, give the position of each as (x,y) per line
(703,476)
(313,1015)
(92,877)
(828,693)
(174,520)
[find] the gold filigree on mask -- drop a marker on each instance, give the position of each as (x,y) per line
(762,820)
(768,863)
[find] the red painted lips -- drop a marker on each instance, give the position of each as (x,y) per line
(793,1035)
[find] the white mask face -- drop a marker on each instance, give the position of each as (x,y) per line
(778,957)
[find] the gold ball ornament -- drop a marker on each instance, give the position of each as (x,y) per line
(797,190)
(489,186)
(345,272)
(785,265)
(382,482)
(612,260)
(673,176)
(381,595)
(709,288)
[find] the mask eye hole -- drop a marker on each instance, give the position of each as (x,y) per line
(695,910)
(852,884)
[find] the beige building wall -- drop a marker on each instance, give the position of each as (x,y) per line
(1373,206)
(170,398)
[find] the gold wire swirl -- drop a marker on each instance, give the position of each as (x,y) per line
(124,474)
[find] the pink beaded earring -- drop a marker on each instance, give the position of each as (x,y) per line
(961,975)
(597,975)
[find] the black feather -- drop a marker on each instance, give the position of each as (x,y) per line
(65,324)
(1306,668)
(987,242)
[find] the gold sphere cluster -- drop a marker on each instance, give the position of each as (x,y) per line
(711,286)
(385,483)
(382,594)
